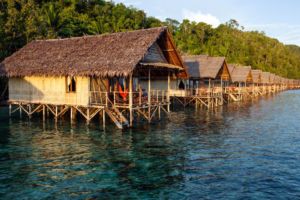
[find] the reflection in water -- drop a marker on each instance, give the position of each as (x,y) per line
(247,150)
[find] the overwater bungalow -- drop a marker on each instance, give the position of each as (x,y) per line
(241,78)
(272,83)
(107,75)
(207,76)
(265,80)
(257,80)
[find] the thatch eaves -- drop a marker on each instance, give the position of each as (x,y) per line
(265,77)
(256,75)
(203,66)
(240,74)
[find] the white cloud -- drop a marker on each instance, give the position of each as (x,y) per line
(286,33)
(198,16)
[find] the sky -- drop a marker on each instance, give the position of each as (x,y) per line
(277,18)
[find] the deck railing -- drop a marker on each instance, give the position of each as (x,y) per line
(121,99)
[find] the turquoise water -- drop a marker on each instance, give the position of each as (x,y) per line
(240,151)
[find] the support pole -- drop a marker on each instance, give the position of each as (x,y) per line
(29,111)
(9,112)
(159,115)
(56,113)
(222,100)
(209,94)
(44,113)
(130,101)
(88,116)
(20,111)
(103,118)
(149,96)
(73,112)
(168,94)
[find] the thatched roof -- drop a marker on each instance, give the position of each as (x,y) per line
(239,74)
(256,75)
(272,78)
(116,54)
(265,77)
(203,66)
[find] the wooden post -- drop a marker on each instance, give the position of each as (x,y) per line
(159,115)
(130,101)
(149,96)
(44,113)
(168,94)
(88,116)
(20,111)
(240,98)
(56,113)
(103,118)
(29,111)
(9,112)
(222,100)
(73,112)
(209,94)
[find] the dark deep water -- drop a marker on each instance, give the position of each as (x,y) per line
(246,151)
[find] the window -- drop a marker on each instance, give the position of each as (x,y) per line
(71,84)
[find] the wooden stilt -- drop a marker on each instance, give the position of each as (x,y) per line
(29,111)
(103,118)
(56,113)
(168,93)
(73,113)
(159,114)
(88,116)
(149,96)
(9,112)
(44,113)
(20,108)
(130,102)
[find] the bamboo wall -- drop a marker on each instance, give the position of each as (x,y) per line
(48,90)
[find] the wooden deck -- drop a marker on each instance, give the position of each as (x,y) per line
(119,110)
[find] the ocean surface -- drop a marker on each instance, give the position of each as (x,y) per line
(245,150)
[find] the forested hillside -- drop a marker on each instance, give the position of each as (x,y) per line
(22,21)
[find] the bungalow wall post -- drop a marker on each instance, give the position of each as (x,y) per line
(168,94)
(149,95)
(130,101)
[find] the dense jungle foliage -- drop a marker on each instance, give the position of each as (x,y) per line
(22,21)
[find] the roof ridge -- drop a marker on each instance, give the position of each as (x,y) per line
(99,35)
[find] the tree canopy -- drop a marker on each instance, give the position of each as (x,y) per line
(22,21)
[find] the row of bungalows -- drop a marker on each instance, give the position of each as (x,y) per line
(207,76)
(120,75)
(124,76)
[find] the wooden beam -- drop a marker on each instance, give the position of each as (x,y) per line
(149,95)
(130,101)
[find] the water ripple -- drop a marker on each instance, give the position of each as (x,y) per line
(240,151)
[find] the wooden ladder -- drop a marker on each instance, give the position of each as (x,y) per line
(117,117)
(233,97)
